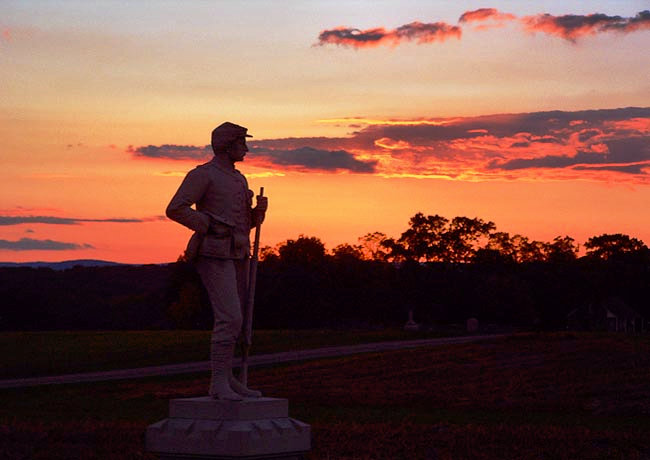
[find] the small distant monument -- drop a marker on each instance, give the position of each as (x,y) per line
(410,324)
(472,325)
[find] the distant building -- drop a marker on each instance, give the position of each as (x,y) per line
(612,315)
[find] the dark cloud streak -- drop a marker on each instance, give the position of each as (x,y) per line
(303,154)
(549,161)
(18,220)
(172,152)
(572,26)
(626,169)
(416,31)
(313,159)
(29,244)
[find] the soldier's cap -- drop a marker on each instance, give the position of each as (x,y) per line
(227,132)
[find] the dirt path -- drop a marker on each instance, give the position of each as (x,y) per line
(256,360)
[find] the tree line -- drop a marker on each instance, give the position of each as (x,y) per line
(463,240)
(444,270)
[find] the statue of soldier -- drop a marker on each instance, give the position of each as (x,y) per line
(220,246)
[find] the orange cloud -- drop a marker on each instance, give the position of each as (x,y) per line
(494,17)
(605,145)
(264,174)
(638,125)
(416,31)
(392,144)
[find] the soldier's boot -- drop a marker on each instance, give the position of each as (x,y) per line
(238,387)
(221,360)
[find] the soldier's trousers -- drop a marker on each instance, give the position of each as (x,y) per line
(226,281)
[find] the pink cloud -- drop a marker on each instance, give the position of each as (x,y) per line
(571,26)
(568,26)
(494,17)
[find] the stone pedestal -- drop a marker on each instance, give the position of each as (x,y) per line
(205,428)
(472,325)
(411,326)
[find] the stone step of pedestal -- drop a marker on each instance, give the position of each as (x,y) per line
(228,439)
(203,427)
(206,408)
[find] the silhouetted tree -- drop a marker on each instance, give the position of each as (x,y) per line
(519,248)
(529,251)
(436,239)
(373,247)
(562,249)
(487,256)
(268,254)
(306,250)
(502,244)
(608,246)
(347,253)
(462,238)
(396,251)
(423,241)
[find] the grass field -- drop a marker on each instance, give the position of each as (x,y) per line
(530,396)
(30,354)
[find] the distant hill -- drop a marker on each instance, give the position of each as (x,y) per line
(97,297)
(66,264)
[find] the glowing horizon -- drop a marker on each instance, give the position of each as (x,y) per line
(537,119)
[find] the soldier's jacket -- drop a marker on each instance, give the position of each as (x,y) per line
(222,219)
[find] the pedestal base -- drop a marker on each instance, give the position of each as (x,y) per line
(205,428)
(202,457)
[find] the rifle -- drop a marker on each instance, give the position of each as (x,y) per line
(248,318)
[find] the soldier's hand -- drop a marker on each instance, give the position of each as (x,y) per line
(262,204)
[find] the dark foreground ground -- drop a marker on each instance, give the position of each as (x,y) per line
(530,396)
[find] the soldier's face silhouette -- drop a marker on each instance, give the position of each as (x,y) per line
(237,150)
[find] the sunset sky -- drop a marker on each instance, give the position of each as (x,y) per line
(534,115)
